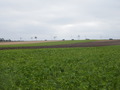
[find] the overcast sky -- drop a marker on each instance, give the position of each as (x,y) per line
(62,18)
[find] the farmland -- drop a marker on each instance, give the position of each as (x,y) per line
(80,68)
(45,43)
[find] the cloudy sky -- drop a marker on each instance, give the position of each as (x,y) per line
(66,19)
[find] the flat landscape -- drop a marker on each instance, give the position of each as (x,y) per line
(87,43)
(59,44)
(61,65)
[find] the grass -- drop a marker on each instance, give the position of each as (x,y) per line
(96,68)
(48,43)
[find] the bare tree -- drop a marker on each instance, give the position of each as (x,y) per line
(35,37)
(55,37)
(2,39)
(31,38)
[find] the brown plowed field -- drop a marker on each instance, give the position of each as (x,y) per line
(24,42)
(87,44)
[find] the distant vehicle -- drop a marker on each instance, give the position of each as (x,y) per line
(110,38)
(63,39)
(87,39)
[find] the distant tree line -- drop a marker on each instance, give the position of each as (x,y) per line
(3,40)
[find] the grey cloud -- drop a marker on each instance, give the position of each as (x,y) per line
(46,18)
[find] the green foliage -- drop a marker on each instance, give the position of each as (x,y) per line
(96,68)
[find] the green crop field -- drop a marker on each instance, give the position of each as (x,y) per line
(48,43)
(95,68)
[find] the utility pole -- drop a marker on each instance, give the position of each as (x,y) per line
(20,38)
(78,37)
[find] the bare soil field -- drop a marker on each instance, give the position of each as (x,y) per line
(24,42)
(86,44)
